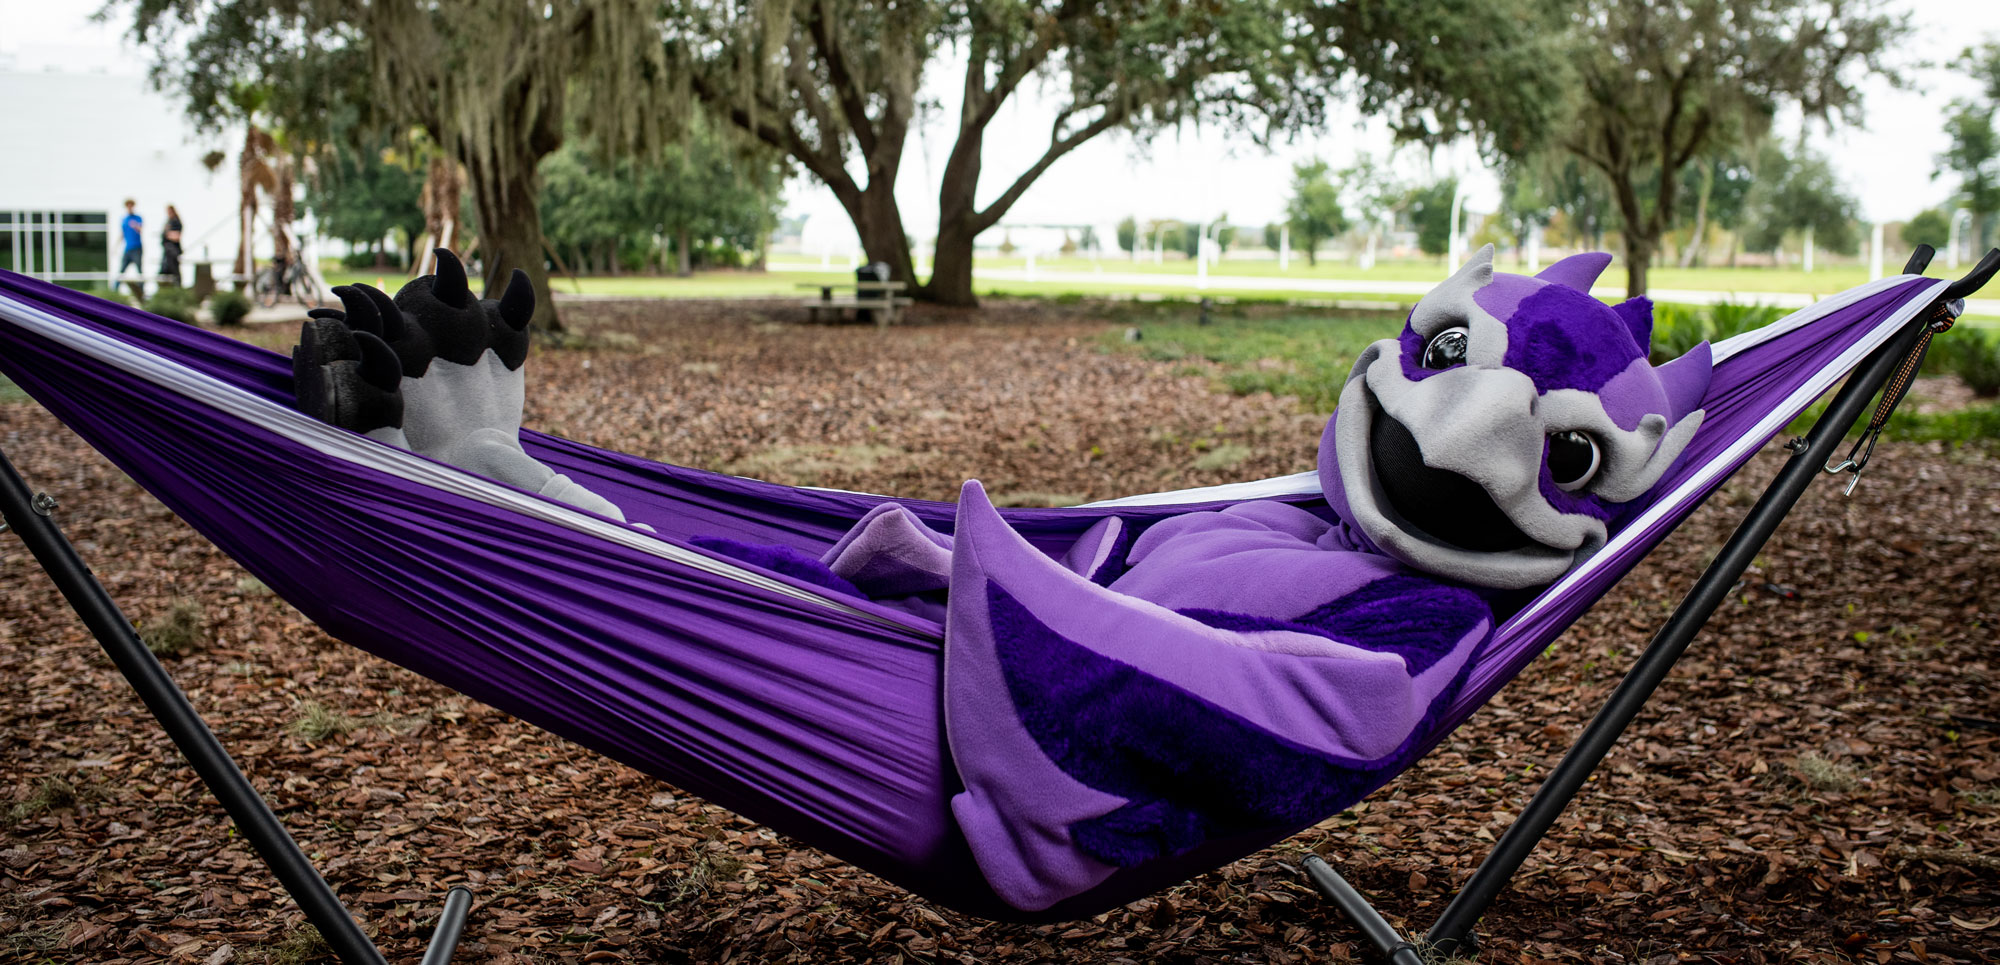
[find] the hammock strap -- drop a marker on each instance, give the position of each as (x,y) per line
(1942,318)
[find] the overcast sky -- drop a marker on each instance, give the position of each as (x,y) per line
(1197,173)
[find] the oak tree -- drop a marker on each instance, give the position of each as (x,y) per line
(1662,83)
(837,84)
(489,81)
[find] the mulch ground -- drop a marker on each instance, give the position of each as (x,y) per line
(1818,781)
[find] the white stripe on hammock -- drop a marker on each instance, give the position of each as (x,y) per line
(410,467)
(403,464)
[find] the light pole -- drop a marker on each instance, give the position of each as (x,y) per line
(1951,247)
(1456,248)
(1201,256)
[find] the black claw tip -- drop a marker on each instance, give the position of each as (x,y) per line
(385,308)
(517,304)
(362,315)
(450,285)
(379,365)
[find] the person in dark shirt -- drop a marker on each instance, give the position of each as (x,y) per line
(134,244)
(170,248)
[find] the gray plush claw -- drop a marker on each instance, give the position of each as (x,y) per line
(449,359)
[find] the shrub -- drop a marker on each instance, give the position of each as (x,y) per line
(1823,774)
(303,946)
(175,303)
(1973,356)
(1729,319)
(317,722)
(1676,328)
(229,307)
(52,794)
(176,631)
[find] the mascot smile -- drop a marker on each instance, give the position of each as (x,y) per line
(1494,441)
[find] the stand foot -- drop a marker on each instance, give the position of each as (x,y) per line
(450,926)
(1379,932)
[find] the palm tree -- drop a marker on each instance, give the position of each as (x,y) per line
(255,171)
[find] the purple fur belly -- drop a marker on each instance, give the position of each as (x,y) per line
(1095,731)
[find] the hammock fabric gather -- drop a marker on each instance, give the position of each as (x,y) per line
(815,712)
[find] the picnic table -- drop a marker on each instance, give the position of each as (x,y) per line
(876,300)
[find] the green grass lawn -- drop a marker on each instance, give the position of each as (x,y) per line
(1308,355)
(787,284)
(1301,355)
(704,284)
(1827,279)
(723,283)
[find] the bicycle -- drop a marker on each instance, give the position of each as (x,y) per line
(287,279)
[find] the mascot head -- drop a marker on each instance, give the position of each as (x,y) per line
(1497,440)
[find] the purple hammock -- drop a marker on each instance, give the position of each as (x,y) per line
(816,713)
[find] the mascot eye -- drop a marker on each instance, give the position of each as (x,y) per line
(1447,348)
(1573,459)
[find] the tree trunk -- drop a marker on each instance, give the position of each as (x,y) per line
(879,222)
(951,268)
(951,260)
(683,252)
(1638,258)
(1695,241)
(510,234)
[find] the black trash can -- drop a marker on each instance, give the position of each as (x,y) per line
(873,271)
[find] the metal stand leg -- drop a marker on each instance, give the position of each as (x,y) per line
(29,515)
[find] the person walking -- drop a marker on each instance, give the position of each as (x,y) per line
(135,244)
(170,249)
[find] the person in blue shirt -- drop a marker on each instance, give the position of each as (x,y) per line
(134,244)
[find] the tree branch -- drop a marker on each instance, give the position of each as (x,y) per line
(1114,115)
(823,164)
(845,88)
(1009,80)
(807,86)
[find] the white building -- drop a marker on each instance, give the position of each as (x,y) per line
(77,144)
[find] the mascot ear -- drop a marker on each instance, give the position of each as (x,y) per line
(1637,314)
(1577,271)
(1478,268)
(1686,379)
(1673,440)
